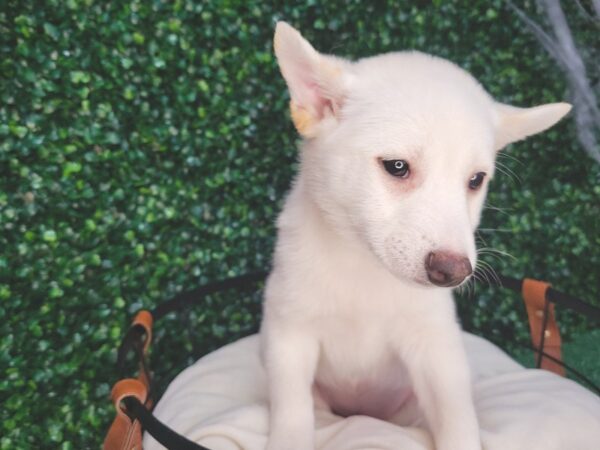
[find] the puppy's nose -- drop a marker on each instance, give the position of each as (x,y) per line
(447,269)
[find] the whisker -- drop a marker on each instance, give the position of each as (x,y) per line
(477,278)
(503,168)
(494,252)
(482,276)
(479,237)
(511,157)
(463,289)
(471,286)
(494,255)
(486,267)
(483,271)
(505,211)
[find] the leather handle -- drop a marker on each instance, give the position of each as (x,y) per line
(541,317)
(144,319)
(125,434)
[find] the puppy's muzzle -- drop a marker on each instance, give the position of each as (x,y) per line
(447,269)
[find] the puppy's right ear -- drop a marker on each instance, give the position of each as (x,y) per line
(514,124)
(317,83)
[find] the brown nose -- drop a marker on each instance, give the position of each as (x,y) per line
(447,269)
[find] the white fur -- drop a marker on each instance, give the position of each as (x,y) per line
(351,321)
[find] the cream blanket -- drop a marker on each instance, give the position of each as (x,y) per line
(221,403)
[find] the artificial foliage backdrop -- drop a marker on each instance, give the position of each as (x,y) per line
(145,149)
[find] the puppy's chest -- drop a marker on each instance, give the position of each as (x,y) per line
(358,370)
(356,337)
(355,345)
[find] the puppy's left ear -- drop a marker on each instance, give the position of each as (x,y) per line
(514,124)
(317,83)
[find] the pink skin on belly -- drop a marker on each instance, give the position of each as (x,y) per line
(364,398)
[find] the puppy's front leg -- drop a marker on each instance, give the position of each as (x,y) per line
(290,360)
(442,383)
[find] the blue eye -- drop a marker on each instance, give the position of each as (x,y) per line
(476,180)
(396,167)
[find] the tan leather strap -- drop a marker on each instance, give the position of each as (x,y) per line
(540,310)
(144,318)
(125,434)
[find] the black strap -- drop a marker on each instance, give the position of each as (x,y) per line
(557,297)
(190,297)
(568,301)
(132,341)
(158,430)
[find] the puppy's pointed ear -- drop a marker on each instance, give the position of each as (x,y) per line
(514,124)
(317,83)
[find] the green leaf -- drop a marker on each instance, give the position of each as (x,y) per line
(49,236)
(71,168)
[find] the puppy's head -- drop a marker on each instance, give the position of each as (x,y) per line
(398,151)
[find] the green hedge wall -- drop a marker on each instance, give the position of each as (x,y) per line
(145,148)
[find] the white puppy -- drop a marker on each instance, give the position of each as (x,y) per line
(397,153)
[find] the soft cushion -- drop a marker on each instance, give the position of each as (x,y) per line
(221,403)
